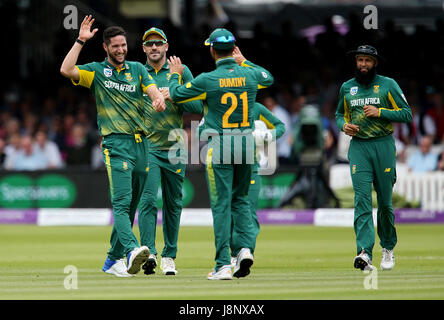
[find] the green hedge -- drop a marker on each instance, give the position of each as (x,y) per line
(346,196)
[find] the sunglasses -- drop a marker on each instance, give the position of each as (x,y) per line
(224,39)
(158,43)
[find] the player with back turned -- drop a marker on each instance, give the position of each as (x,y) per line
(267,129)
(118,86)
(229,94)
(367,107)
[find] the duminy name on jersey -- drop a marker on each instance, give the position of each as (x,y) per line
(232,82)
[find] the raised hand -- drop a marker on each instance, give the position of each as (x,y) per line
(237,55)
(85,32)
(175,65)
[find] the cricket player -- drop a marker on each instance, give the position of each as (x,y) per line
(229,93)
(368,105)
(166,164)
(118,86)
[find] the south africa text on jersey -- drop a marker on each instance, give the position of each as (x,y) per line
(366,101)
(232,82)
(120,86)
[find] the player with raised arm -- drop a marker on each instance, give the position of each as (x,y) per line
(118,86)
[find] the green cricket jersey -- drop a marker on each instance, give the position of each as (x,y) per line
(383,93)
(163,123)
(118,94)
(229,93)
(260,112)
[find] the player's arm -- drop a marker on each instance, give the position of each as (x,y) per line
(343,117)
(68,68)
(150,88)
(194,106)
(264,77)
(158,101)
(191,91)
(340,115)
(400,110)
(272,123)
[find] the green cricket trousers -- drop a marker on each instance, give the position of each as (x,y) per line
(126,161)
(228,186)
(373,162)
(171,177)
(253,198)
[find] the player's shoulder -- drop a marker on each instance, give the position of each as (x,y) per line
(134,65)
(91,65)
(385,80)
(210,74)
(348,84)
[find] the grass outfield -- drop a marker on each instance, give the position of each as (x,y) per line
(292,262)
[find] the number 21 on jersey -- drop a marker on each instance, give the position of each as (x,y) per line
(234,104)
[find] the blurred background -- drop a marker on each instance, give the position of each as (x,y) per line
(51,124)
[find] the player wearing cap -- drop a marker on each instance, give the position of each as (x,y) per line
(367,107)
(229,93)
(118,86)
(166,164)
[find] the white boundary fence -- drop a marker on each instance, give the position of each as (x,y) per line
(427,188)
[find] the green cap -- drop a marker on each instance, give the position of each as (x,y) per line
(154,30)
(221,39)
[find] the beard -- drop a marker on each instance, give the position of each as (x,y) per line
(114,59)
(365,78)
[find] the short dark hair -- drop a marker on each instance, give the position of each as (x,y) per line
(111,32)
(223,52)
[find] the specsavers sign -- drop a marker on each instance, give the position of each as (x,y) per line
(46,191)
(274,188)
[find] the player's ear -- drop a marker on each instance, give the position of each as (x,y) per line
(105,47)
(166,46)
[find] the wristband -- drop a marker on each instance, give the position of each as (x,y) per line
(80,41)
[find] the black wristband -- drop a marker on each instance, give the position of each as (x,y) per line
(80,41)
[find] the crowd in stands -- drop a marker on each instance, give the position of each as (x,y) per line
(41,137)
(58,129)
